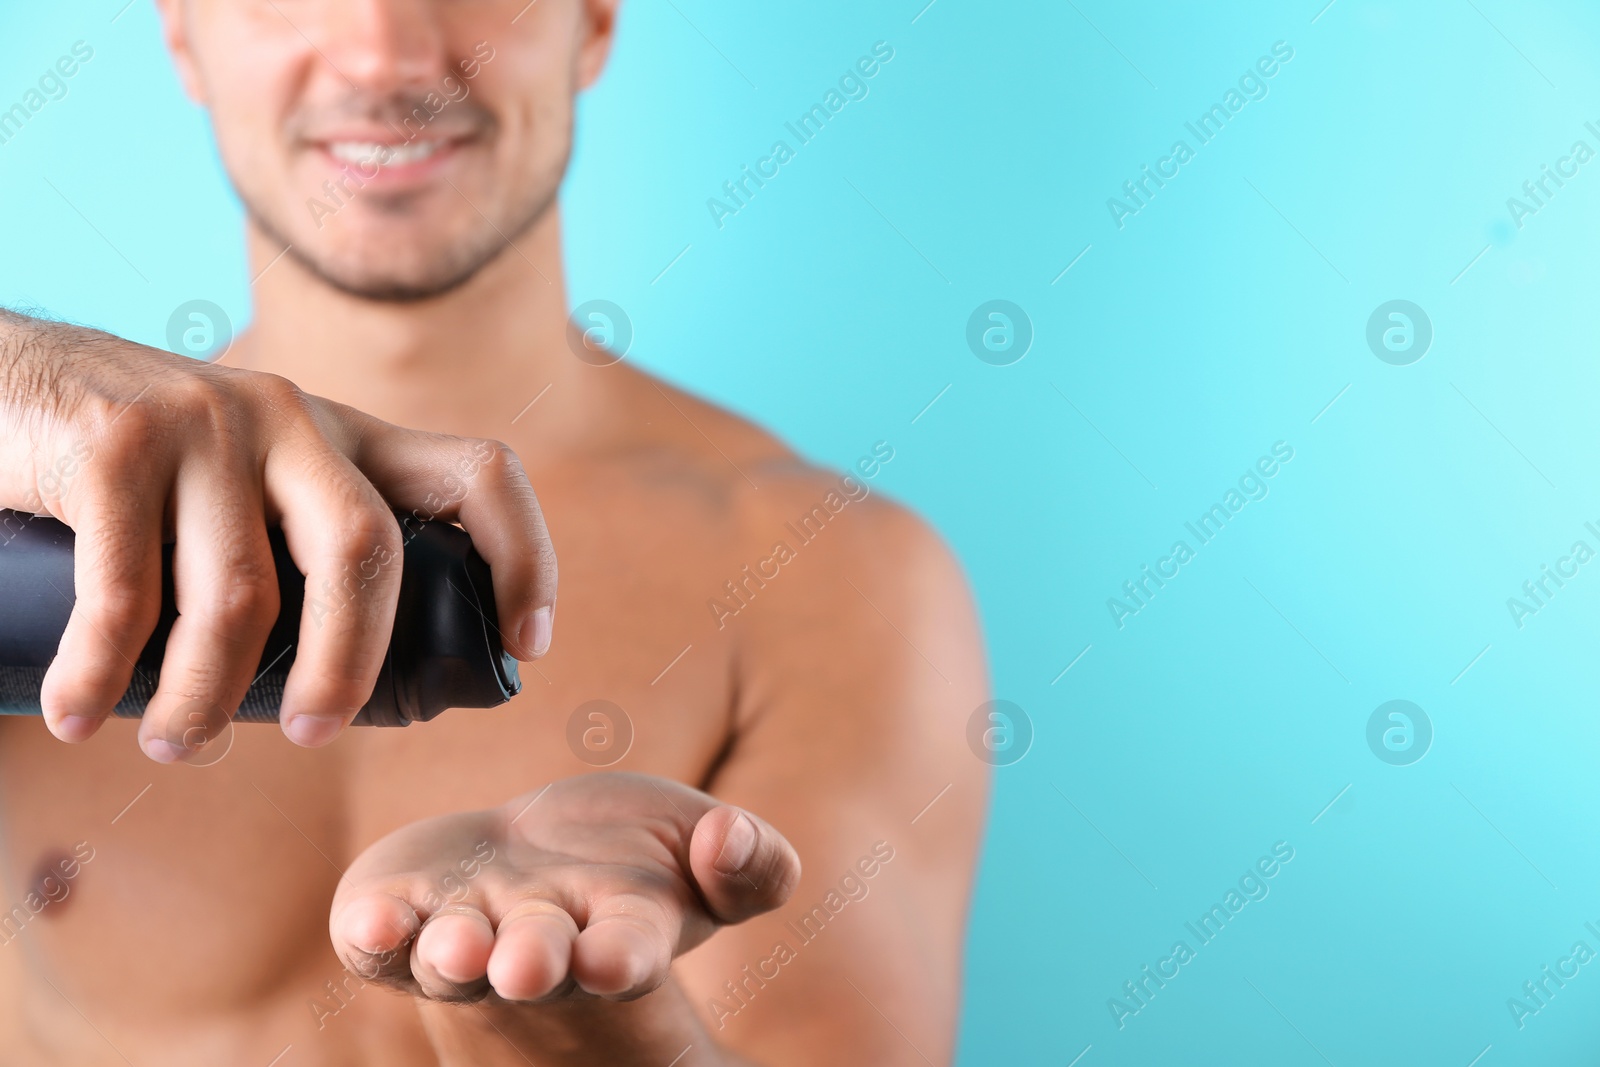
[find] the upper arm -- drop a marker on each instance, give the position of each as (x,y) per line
(859,665)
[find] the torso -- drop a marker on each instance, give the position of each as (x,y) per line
(198,930)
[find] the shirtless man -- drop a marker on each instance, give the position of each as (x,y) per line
(417,896)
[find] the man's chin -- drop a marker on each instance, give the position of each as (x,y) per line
(387,264)
(394,274)
(390,286)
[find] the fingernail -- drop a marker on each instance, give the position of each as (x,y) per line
(539,629)
(738,845)
(164,751)
(312,731)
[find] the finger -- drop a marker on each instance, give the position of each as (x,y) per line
(116,573)
(742,865)
(625,950)
(532,951)
(481,485)
(227,598)
(346,542)
(450,958)
(371,935)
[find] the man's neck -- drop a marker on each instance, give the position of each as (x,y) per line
(467,362)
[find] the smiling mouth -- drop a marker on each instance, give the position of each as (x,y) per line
(391,167)
(385,156)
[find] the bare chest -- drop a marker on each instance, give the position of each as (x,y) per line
(204,889)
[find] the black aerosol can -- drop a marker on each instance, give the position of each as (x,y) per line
(445,651)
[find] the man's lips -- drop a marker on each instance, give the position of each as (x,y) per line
(391,164)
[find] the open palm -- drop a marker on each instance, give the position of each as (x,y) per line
(588,887)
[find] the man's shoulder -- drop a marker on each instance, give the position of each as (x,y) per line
(782,505)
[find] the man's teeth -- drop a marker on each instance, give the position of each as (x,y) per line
(370,153)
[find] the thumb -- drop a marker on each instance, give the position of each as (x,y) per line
(742,865)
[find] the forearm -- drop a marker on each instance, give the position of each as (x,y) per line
(653,1031)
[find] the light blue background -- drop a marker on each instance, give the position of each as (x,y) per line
(1224,317)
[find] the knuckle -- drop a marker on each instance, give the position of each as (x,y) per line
(183,686)
(126,431)
(483,460)
(198,392)
(494,452)
(104,413)
(369,533)
(500,461)
(191,407)
(280,395)
(191,401)
(245,601)
(121,613)
(284,407)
